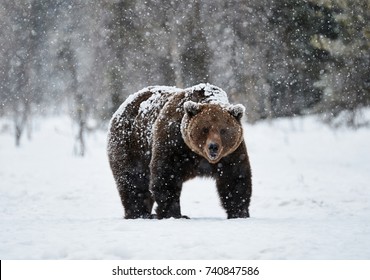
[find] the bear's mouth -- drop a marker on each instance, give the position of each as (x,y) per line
(213,158)
(213,155)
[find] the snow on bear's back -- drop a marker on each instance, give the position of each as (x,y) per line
(212,94)
(156,90)
(159,97)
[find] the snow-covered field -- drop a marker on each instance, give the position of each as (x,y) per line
(311,200)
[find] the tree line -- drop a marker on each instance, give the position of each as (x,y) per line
(278,58)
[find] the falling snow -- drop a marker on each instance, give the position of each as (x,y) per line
(67,65)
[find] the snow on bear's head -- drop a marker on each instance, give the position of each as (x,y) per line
(213,131)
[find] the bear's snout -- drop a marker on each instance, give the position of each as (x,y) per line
(213,149)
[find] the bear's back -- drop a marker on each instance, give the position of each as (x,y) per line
(145,101)
(134,119)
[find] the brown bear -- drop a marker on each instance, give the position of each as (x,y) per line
(162,136)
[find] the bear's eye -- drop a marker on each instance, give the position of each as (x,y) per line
(205,130)
(223,131)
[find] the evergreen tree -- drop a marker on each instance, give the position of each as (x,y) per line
(346,78)
(294,64)
(195,56)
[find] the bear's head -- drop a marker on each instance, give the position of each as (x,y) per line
(213,131)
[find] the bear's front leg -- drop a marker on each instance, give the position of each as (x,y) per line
(235,197)
(167,166)
(166,188)
(234,184)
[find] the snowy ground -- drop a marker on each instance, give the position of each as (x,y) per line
(311,200)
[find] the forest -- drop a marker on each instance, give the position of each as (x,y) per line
(280,58)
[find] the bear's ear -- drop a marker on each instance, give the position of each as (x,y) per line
(237,111)
(191,108)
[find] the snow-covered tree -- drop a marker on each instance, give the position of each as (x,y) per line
(345,80)
(23,26)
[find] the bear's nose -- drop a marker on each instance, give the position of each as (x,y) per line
(213,149)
